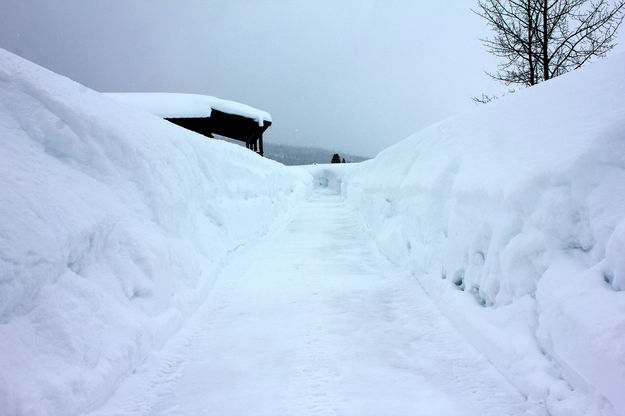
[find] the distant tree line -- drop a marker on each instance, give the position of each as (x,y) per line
(337,159)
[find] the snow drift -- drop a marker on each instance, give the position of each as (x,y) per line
(521,204)
(112,225)
(172,105)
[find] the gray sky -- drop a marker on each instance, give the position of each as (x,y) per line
(353,76)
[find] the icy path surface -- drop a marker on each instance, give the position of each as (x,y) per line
(314,321)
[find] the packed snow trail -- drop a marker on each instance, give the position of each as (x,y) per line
(314,321)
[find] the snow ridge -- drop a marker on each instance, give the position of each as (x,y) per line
(520,204)
(113,224)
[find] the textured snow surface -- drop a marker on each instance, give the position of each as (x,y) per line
(173,105)
(319,324)
(113,224)
(520,206)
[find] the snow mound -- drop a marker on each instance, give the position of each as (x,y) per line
(171,105)
(113,223)
(520,203)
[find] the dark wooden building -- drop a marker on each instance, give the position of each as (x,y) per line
(205,115)
(234,126)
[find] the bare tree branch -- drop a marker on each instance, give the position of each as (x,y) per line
(541,39)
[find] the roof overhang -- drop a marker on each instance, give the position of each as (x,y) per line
(202,113)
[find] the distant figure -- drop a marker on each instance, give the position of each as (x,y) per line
(343,160)
(336,158)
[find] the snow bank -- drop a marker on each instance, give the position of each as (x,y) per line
(521,204)
(112,225)
(171,105)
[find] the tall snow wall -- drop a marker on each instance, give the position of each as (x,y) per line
(113,224)
(520,206)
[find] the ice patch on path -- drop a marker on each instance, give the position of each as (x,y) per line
(112,225)
(484,205)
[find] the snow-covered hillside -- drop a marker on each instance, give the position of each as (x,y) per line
(512,217)
(112,225)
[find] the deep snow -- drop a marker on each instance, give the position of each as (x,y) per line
(114,225)
(318,323)
(172,105)
(520,204)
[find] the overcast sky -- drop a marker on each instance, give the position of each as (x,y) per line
(353,76)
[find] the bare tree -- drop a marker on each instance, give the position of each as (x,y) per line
(485,99)
(541,39)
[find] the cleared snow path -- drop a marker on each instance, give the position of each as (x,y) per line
(314,321)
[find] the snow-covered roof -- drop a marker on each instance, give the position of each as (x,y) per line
(173,105)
